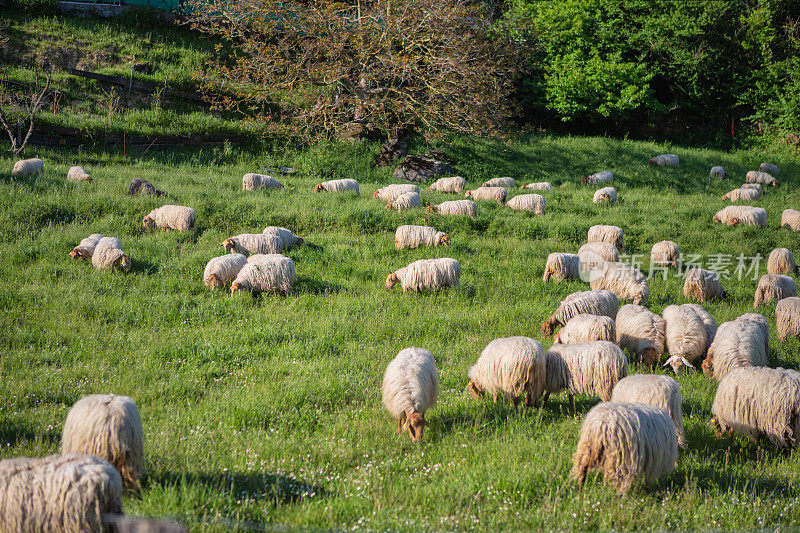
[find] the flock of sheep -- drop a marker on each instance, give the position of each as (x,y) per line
(632,436)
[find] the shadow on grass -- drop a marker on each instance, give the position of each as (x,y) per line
(315,286)
(12,432)
(140,266)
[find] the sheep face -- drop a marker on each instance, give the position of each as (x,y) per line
(677,362)
(468,194)
(147,221)
(585,179)
(715,218)
(79,253)
(708,366)
(229,245)
(548,327)
(236,286)
(416,424)
(319,188)
(724,197)
(212,281)
(732,221)
(375,194)
(391,281)
(124,263)
(445,240)
(474,390)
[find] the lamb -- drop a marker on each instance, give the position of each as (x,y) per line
(416,236)
(769,168)
(511,367)
(586,328)
(605,176)
(744,214)
(108,254)
(255,243)
(774,287)
(602,303)
(391,192)
(741,342)
(641,332)
(265,273)
(86,247)
(781,261)
(109,427)
(410,388)
(560,267)
(594,254)
(718,172)
(610,234)
(78,174)
(591,368)
(759,401)
(455,184)
(665,254)
(223,270)
(488,194)
(405,201)
(338,186)
(539,186)
(690,331)
(500,182)
(702,285)
(742,195)
(761,177)
(655,390)
(426,275)
(630,442)
(754,186)
(251,182)
(177,217)
(58,493)
(288,238)
(528,202)
(28,167)
(455,207)
(665,160)
(626,281)
(787,317)
(790,218)
(140,186)
(606,194)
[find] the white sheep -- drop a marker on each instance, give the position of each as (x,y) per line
(602,303)
(416,236)
(594,254)
(742,195)
(781,261)
(223,270)
(774,287)
(266,273)
(539,186)
(665,160)
(107,426)
(742,214)
(108,254)
(605,176)
(740,342)
(176,217)
(255,243)
(455,207)
(560,267)
(86,247)
(510,367)
(641,332)
(604,233)
(655,390)
(761,177)
(787,317)
(287,238)
(769,168)
(528,202)
(701,285)
(426,275)
(586,328)
(345,185)
(78,174)
(251,182)
(500,182)
(405,201)
(790,218)
(488,194)
(626,281)
(606,194)
(455,184)
(690,331)
(718,172)
(391,192)
(410,388)
(665,254)
(28,167)
(754,186)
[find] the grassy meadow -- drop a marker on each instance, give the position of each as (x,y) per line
(265,411)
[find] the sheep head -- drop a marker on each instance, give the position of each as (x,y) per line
(78,252)
(432,209)
(375,194)
(147,221)
(124,263)
(468,194)
(416,424)
(392,280)
(677,362)
(708,365)
(639,300)
(725,196)
(649,356)
(732,221)
(236,286)
(474,390)
(319,188)
(229,245)
(715,218)
(586,179)
(548,326)
(651,162)
(212,280)
(445,240)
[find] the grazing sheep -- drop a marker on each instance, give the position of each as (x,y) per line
(665,160)
(511,366)
(539,186)
(488,194)
(708,322)
(605,176)
(655,390)
(610,234)
(787,317)
(391,192)
(67,493)
(690,331)
(78,174)
(109,427)
(759,401)
(405,201)
(528,202)
(590,368)
(223,270)
(602,303)
(629,442)
(626,281)
(562,266)
(288,238)
(790,218)
(781,261)
(760,177)
(28,167)
(774,287)
(702,285)
(606,194)
(742,195)
(740,342)
(108,242)
(265,273)
(108,254)
(642,332)
(769,168)
(255,243)
(718,172)
(410,388)
(338,186)
(426,275)
(86,247)
(665,254)
(744,214)
(455,207)
(594,254)
(500,182)
(455,184)
(754,186)
(140,186)
(416,236)
(177,217)
(251,182)
(586,328)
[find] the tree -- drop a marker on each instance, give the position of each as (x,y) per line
(30,105)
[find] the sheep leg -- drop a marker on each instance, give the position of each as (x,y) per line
(494,397)
(571,404)
(546,397)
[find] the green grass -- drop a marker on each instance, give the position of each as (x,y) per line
(267,410)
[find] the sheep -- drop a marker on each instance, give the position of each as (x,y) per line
(790,218)
(86,247)
(539,186)
(744,214)
(488,194)
(338,186)
(665,160)
(109,427)
(742,195)
(655,390)
(591,368)
(78,174)
(288,238)
(630,442)
(605,176)
(455,207)
(426,275)
(58,493)
(606,194)
(391,192)
(586,328)
(455,184)
(602,303)
(223,270)
(560,267)
(689,330)
(781,261)
(140,186)
(108,242)
(754,186)
(774,287)
(641,332)
(740,342)
(626,281)
(594,254)
(255,243)
(416,236)
(28,167)
(610,234)
(251,182)
(718,172)
(405,201)
(761,177)
(410,388)
(108,254)
(265,273)
(665,254)
(769,168)
(787,317)
(510,366)
(759,401)
(500,182)
(177,217)
(702,285)
(528,202)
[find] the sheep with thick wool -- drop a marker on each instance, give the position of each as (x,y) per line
(77,174)
(763,178)
(586,328)
(405,201)
(606,194)
(665,254)
(488,194)
(456,184)
(753,186)
(509,367)
(455,207)
(717,172)
(426,275)
(538,186)
(742,195)
(344,185)
(656,390)
(641,332)
(769,168)
(58,493)
(774,287)
(86,247)
(790,218)
(139,186)
(252,181)
(223,270)
(702,285)
(391,192)
(759,401)
(781,261)
(594,254)
(690,330)
(415,236)
(107,426)
(626,281)
(265,273)
(604,233)
(175,217)
(28,167)
(665,160)
(273,240)
(561,266)
(528,202)
(602,303)
(605,176)
(108,254)
(288,238)
(629,442)
(787,317)
(740,342)
(500,182)
(742,214)
(410,388)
